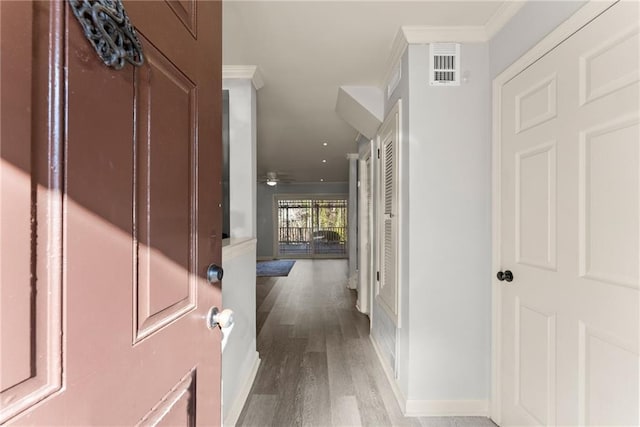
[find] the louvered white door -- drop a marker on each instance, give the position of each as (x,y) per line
(389,136)
(570,159)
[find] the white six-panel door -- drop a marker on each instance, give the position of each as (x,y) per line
(569,178)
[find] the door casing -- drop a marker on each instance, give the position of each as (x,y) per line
(365,215)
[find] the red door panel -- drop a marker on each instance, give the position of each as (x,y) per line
(165,220)
(110,186)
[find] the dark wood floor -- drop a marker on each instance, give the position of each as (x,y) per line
(318,366)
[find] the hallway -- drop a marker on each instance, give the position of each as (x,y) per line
(318,366)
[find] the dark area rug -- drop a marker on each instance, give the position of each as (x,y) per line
(278,267)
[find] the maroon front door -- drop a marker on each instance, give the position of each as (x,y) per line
(109,192)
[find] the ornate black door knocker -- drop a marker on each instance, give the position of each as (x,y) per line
(106,25)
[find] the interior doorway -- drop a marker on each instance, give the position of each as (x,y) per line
(311,227)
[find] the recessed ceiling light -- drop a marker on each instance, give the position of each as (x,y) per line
(324,160)
(325,143)
(321,179)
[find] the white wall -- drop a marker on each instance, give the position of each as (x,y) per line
(240,358)
(265,207)
(242,156)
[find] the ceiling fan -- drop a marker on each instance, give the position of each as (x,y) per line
(273,178)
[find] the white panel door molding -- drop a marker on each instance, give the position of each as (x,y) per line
(567,183)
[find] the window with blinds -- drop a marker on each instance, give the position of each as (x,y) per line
(312,228)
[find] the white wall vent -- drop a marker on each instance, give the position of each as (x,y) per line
(444,59)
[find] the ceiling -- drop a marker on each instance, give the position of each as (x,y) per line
(306,50)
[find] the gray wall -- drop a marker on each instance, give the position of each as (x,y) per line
(443,348)
(533,21)
(448,245)
(265,207)
(226,224)
(353,221)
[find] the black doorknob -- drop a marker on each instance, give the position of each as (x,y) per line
(505,276)
(214,273)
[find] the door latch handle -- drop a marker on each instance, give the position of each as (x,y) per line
(214,273)
(219,319)
(505,276)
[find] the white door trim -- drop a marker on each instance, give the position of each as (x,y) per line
(392,125)
(583,16)
(364,234)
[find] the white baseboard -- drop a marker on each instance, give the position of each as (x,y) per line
(430,408)
(352,282)
(389,374)
(447,408)
(236,408)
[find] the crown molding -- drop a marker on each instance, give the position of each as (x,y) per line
(400,44)
(423,34)
(459,34)
(505,12)
(245,72)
